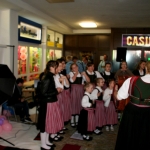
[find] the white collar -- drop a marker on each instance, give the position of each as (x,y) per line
(89,72)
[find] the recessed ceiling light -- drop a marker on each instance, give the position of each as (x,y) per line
(88,25)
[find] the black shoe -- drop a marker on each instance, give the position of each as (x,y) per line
(64,129)
(56,139)
(73,125)
(88,138)
(53,145)
(61,132)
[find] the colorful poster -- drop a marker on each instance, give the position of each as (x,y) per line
(53,54)
(22,59)
(35,59)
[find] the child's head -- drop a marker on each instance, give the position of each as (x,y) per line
(107,67)
(88,87)
(111,83)
(99,82)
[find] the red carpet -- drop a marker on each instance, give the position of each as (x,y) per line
(71,147)
(37,137)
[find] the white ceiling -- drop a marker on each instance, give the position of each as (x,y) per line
(64,17)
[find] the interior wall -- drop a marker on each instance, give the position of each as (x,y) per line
(96,44)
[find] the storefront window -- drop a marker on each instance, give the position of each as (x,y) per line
(22,59)
(147,55)
(35,59)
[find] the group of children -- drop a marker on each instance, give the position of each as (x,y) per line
(82,102)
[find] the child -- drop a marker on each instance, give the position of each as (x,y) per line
(77,80)
(111,114)
(87,117)
(107,74)
(63,101)
(100,109)
(50,118)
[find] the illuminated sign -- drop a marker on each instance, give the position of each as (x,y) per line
(134,40)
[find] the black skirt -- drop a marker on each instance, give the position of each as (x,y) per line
(134,129)
(83,122)
(42,117)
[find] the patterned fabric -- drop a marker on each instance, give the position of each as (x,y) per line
(91,119)
(111,114)
(54,120)
(100,115)
(77,92)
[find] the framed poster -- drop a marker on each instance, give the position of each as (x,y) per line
(50,38)
(35,59)
(58,40)
(22,59)
(29,31)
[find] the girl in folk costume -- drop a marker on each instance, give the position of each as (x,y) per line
(77,80)
(92,74)
(87,117)
(97,94)
(50,118)
(107,74)
(63,97)
(111,114)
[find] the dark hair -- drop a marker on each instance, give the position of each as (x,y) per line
(138,65)
(107,64)
(41,76)
(74,57)
(123,62)
(110,80)
(59,61)
(19,80)
(49,64)
(62,59)
(72,65)
(89,64)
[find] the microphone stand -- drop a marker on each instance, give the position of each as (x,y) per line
(7,141)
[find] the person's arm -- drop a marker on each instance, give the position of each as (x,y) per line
(73,76)
(65,81)
(57,82)
(123,91)
(85,77)
(99,67)
(85,102)
(98,75)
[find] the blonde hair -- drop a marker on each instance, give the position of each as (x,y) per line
(87,85)
(97,80)
(147,67)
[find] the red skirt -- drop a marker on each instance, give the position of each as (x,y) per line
(91,119)
(111,114)
(54,121)
(100,115)
(77,92)
(66,100)
(60,103)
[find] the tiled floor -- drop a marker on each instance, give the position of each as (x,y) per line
(105,141)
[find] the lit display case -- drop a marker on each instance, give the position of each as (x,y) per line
(50,38)
(58,40)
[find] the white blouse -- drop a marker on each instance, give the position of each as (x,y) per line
(107,96)
(95,92)
(85,100)
(57,82)
(71,74)
(98,75)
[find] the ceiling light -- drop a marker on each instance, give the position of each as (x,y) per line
(88,25)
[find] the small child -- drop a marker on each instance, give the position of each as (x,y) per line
(97,94)
(87,117)
(111,114)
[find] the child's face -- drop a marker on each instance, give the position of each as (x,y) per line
(100,83)
(112,84)
(108,68)
(89,89)
(74,68)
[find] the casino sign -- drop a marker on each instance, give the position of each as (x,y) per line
(136,40)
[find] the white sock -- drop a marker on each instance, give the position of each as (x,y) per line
(76,118)
(47,139)
(43,140)
(72,119)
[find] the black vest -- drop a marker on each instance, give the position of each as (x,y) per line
(107,77)
(92,77)
(101,96)
(78,80)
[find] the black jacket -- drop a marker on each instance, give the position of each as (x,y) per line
(48,89)
(136,72)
